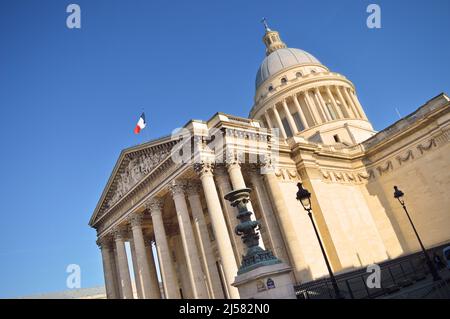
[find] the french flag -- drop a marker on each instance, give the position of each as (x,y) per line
(140,124)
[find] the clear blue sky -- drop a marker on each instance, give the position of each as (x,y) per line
(69,99)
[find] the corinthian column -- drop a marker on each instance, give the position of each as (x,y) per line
(268,120)
(209,261)
(312,108)
(351,103)
(107,250)
(273,230)
(345,108)
(143,268)
(188,240)
(166,265)
(289,117)
(300,111)
(154,282)
(124,272)
(359,107)
(322,105)
(137,276)
(333,101)
(220,228)
(230,213)
(280,124)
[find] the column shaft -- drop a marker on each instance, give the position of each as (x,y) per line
(188,239)
(333,101)
(166,264)
(312,108)
(280,124)
(351,103)
(143,268)
(323,106)
(289,117)
(230,212)
(220,228)
(209,261)
(124,272)
(273,229)
(345,109)
(268,120)
(300,112)
(358,104)
(154,282)
(117,271)
(108,270)
(137,275)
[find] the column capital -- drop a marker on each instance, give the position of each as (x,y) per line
(135,219)
(120,232)
(204,168)
(105,242)
(177,187)
(154,205)
(293,96)
(233,163)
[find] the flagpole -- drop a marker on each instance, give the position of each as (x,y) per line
(146,123)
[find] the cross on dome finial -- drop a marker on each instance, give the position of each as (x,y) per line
(271,39)
(266,26)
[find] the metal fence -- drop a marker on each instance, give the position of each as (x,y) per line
(430,290)
(396,276)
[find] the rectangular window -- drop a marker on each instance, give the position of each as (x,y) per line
(287,128)
(298,121)
(336,138)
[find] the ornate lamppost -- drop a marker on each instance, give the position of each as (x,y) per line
(304,196)
(255,256)
(398,194)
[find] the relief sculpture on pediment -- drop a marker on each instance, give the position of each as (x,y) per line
(137,168)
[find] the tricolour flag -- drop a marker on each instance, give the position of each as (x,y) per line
(140,124)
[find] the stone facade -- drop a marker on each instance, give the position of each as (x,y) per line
(306,125)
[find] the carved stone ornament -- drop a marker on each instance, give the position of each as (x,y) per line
(326,175)
(134,172)
(154,205)
(383,169)
(204,168)
(427,146)
(408,156)
(136,219)
(367,176)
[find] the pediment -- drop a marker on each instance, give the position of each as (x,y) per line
(133,165)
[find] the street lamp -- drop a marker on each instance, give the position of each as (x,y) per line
(304,196)
(398,194)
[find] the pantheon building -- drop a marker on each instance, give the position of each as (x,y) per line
(166,197)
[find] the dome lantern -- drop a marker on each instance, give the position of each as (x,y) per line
(271,39)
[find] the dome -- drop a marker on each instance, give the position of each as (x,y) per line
(282,59)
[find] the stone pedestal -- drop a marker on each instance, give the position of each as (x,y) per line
(261,275)
(266,282)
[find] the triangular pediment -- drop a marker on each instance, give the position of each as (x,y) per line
(132,166)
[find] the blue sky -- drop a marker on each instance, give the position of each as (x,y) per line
(69,99)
